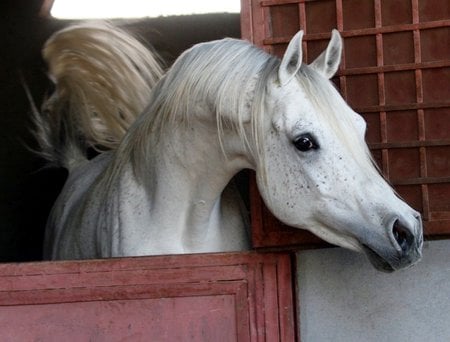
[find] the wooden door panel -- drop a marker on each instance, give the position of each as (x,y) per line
(204,297)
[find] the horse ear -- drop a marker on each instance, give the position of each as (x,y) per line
(328,62)
(292,58)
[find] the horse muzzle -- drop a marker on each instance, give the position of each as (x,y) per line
(407,242)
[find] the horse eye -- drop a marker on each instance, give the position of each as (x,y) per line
(305,143)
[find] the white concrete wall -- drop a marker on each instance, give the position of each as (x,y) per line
(342,298)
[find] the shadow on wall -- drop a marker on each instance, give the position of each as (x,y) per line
(27,188)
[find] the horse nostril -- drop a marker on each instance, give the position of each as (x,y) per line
(403,236)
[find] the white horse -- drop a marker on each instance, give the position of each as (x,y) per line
(225,106)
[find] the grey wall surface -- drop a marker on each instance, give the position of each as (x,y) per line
(342,298)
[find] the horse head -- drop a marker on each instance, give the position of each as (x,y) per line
(316,171)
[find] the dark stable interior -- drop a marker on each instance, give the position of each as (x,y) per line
(27,187)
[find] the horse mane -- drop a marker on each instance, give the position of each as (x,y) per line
(228,75)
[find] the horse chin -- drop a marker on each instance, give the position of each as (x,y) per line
(377,261)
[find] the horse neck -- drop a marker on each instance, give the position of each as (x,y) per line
(185,173)
(190,163)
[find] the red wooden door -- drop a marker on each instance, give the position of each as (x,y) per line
(205,297)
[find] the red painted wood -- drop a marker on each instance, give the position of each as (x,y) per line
(213,297)
(166,319)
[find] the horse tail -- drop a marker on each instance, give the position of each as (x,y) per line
(103,78)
